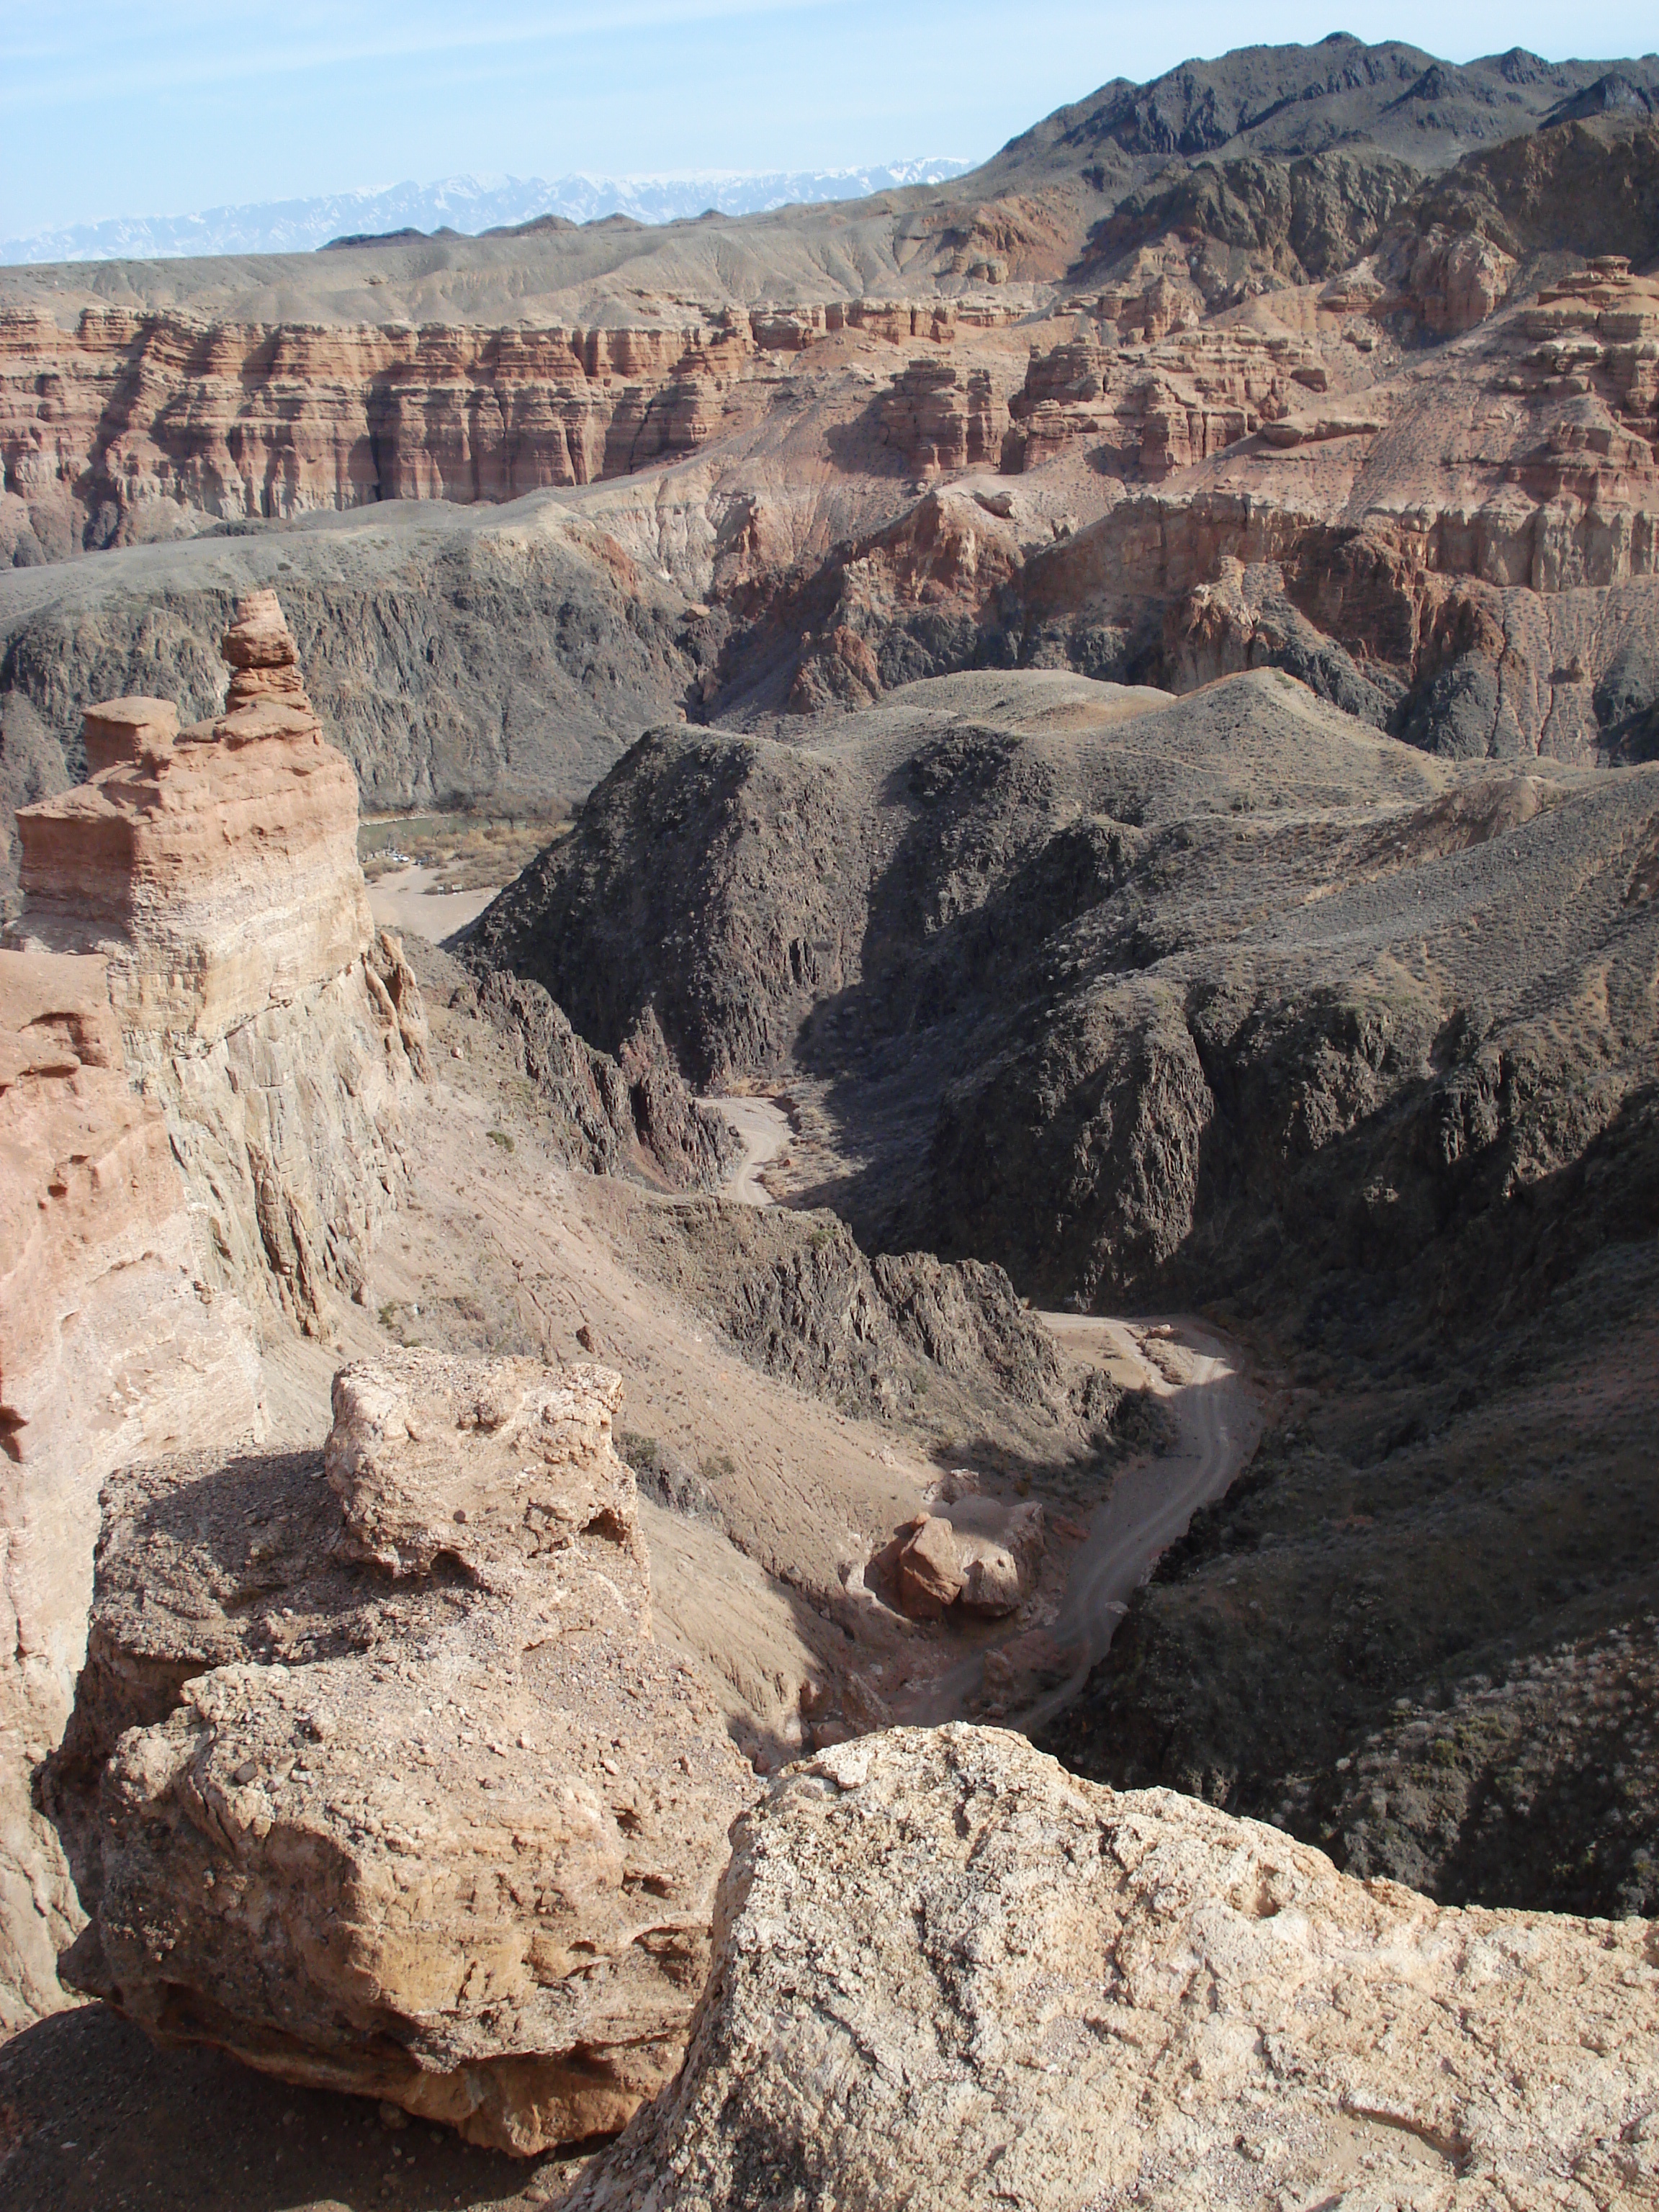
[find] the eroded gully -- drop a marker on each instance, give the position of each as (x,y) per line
(1203,1383)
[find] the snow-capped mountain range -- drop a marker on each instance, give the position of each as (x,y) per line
(468,205)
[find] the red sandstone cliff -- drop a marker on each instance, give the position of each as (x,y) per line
(111,1346)
(126,426)
(205,1052)
(216,869)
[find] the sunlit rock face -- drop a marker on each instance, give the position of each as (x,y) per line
(463,1817)
(214,868)
(111,1346)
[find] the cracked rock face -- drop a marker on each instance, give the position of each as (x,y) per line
(947,1974)
(110,1347)
(214,868)
(380,1782)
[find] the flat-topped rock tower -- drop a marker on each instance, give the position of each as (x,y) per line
(205,1052)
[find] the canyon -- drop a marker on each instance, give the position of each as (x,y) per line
(1351,376)
(982,1355)
(259,1093)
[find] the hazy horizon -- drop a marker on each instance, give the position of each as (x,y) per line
(145,112)
(467,203)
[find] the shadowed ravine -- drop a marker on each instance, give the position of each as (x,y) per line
(1217,1418)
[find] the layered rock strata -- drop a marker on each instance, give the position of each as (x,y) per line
(940,416)
(156,419)
(380,1782)
(1152,414)
(1462,548)
(1129,2000)
(215,869)
(111,1346)
(1477,541)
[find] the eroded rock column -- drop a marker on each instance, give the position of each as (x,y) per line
(216,869)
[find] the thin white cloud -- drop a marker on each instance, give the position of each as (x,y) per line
(132,61)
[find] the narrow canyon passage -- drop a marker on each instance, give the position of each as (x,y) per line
(1202,1383)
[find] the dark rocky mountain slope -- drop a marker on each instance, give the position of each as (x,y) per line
(1228,1002)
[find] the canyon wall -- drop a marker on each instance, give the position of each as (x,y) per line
(112,1345)
(215,869)
(1233,1002)
(1464,550)
(130,426)
(205,1051)
(504,552)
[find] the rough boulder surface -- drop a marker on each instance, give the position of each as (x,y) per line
(947,1974)
(380,1782)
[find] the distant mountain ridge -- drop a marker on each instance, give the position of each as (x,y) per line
(465,204)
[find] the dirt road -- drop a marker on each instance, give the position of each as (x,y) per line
(1218,1419)
(1217,1416)
(764,1129)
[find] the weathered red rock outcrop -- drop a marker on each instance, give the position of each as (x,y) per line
(1156,414)
(505,1926)
(112,431)
(195,985)
(940,416)
(112,1346)
(214,868)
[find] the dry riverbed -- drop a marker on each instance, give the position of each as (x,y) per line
(1213,1419)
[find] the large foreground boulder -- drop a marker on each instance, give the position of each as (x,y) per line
(380,1782)
(948,1974)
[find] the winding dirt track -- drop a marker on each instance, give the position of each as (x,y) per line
(764,1129)
(1217,1417)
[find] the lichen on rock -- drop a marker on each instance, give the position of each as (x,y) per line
(947,1973)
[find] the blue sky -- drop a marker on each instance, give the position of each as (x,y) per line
(127,107)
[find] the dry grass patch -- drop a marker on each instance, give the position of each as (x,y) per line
(470,851)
